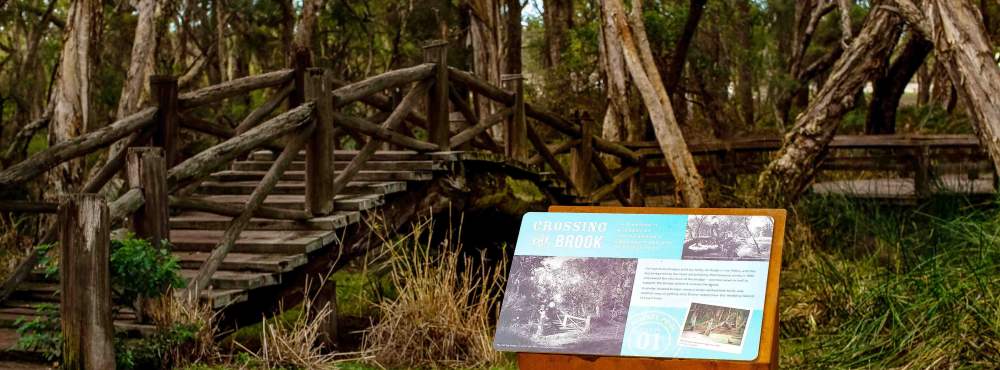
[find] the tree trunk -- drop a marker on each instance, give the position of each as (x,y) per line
(558,19)
(963,48)
(73,111)
(484,16)
(786,177)
(639,60)
(307,24)
(513,65)
(143,56)
(889,88)
(618,119)
(744,58)
(221,51)
(675,70)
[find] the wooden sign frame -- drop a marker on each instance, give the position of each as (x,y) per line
(767,357)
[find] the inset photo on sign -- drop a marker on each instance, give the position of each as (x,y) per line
(566,304)
(728,238)
(714,328)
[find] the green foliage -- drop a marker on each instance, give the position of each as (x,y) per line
(139,270)
(879,286)
(41,334)
(153,351)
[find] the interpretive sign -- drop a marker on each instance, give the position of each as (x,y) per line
(649,285)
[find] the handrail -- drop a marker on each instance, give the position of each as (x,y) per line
(356,91)
(233,88)
(212,158)
(771,143)
(75,147)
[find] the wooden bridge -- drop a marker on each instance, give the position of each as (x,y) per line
(279,198)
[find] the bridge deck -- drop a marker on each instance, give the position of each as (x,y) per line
(903,188)
(268,249)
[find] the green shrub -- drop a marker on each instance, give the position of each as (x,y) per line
(139,270)
(41,334)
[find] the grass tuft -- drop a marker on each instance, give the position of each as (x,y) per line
(442,313)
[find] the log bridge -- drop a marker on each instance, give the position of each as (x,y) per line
(284,194)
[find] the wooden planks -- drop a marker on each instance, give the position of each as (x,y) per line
(254,241)
(236,175)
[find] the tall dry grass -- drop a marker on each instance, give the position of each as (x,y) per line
(297,343)
(442,313)
(191,324)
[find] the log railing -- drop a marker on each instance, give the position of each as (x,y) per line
(406,108)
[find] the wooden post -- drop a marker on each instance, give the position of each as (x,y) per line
(327,295)
(84,240)
(164,90)
(301,61)
(515,131)
(147,170)
(636,196)
(437,101)
(921,173)
(319,150)
(581,154)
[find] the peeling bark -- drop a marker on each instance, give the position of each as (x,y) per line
(642,68)
(788,175)
(72,96)
(962,47)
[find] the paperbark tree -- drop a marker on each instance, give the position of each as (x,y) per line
(558,19)
(513,63)
(72,114)
(962,46)
(744,68)
(675,69)
(484,32)
(306,28)
(642,68)
(890,86)
(617,117)
(143,55)
(786,177)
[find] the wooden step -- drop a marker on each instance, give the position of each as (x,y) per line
(253,241)
(237,279)
(293,201)
(298,187)
(233,175)
(426,165)
(245,261)
(347,155)
(220,298)
(209,221)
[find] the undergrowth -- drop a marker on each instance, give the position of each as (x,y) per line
(444,305)
(879,286)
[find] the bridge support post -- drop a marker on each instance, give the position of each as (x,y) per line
(319,150)
(581,154)
(84,241)
(515,129)
(146,169)
(164,90)
(921,173)
(437,100)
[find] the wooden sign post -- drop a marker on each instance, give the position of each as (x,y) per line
(768,352)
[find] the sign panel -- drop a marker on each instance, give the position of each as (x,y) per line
(651,285)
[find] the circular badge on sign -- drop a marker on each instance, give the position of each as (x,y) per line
(654,334)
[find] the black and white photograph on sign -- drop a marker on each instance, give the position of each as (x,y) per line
(728,238)
(566,304)
(715,327)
